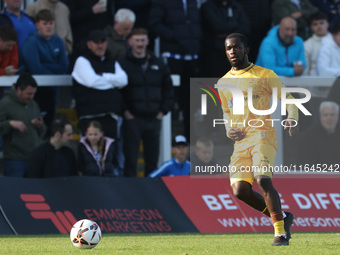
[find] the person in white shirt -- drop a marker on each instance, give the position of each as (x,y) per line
(328,60)
(319,25)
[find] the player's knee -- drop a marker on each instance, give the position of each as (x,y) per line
(264,182)
(241,190)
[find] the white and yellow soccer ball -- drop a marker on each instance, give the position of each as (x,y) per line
(85,234)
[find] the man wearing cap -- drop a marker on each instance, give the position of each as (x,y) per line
(178,165)
(97,80)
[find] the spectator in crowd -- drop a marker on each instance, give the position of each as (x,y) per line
(203,156)
(328,59)
(178,165)
(54,158)
(177,23)
(97,80)
(321,143)
(141,8)
(148,97)
(9,55)
(97,153)
(282,50)
(300,10)
(62,26)
(20,125)
(319,26)
(331,8)
(258,13)
(44,53)
(23,23)
(118,33)
(219,18)
(9,52)
(87,15)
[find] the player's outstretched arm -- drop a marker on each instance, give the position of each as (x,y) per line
(292,129)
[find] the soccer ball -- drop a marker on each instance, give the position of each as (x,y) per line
(85,234)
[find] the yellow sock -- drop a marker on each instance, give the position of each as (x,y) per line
(279,228)
(266,212)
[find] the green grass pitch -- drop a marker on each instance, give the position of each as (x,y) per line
(181,244)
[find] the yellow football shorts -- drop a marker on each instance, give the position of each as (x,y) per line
(257,160)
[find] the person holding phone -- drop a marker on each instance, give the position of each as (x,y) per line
(20,125)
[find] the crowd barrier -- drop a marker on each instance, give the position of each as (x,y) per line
(165,205)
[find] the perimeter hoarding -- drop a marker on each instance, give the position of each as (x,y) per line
(211,206)
(118,205)
(166,205)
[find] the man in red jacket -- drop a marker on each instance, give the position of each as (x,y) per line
(8,52)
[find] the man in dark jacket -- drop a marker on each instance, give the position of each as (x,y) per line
(219,19)
(177,23)
(53,158)
(148,97)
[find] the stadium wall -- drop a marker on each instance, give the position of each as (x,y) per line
(166,205)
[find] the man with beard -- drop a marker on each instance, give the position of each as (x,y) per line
(255,145)
(282,50)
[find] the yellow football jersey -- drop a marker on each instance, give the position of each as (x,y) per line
(258,129)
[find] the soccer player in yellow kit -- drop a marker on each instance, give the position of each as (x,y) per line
(255,141)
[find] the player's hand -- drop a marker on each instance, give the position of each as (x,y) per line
(37,122)
(236,134)
(99,7)
(289,125)
(18,124)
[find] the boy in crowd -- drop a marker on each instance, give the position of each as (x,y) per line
(178,165)
(203,156)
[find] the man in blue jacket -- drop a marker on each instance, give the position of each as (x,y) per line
(282,50)
(44,53)
(178,165)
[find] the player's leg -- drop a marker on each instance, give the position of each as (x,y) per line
(263,158)
(243,190)
(241,181)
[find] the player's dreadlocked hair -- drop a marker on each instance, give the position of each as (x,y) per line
(242,38)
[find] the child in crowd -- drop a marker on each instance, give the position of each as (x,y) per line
(97,153)
(203,156)
(178,165)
